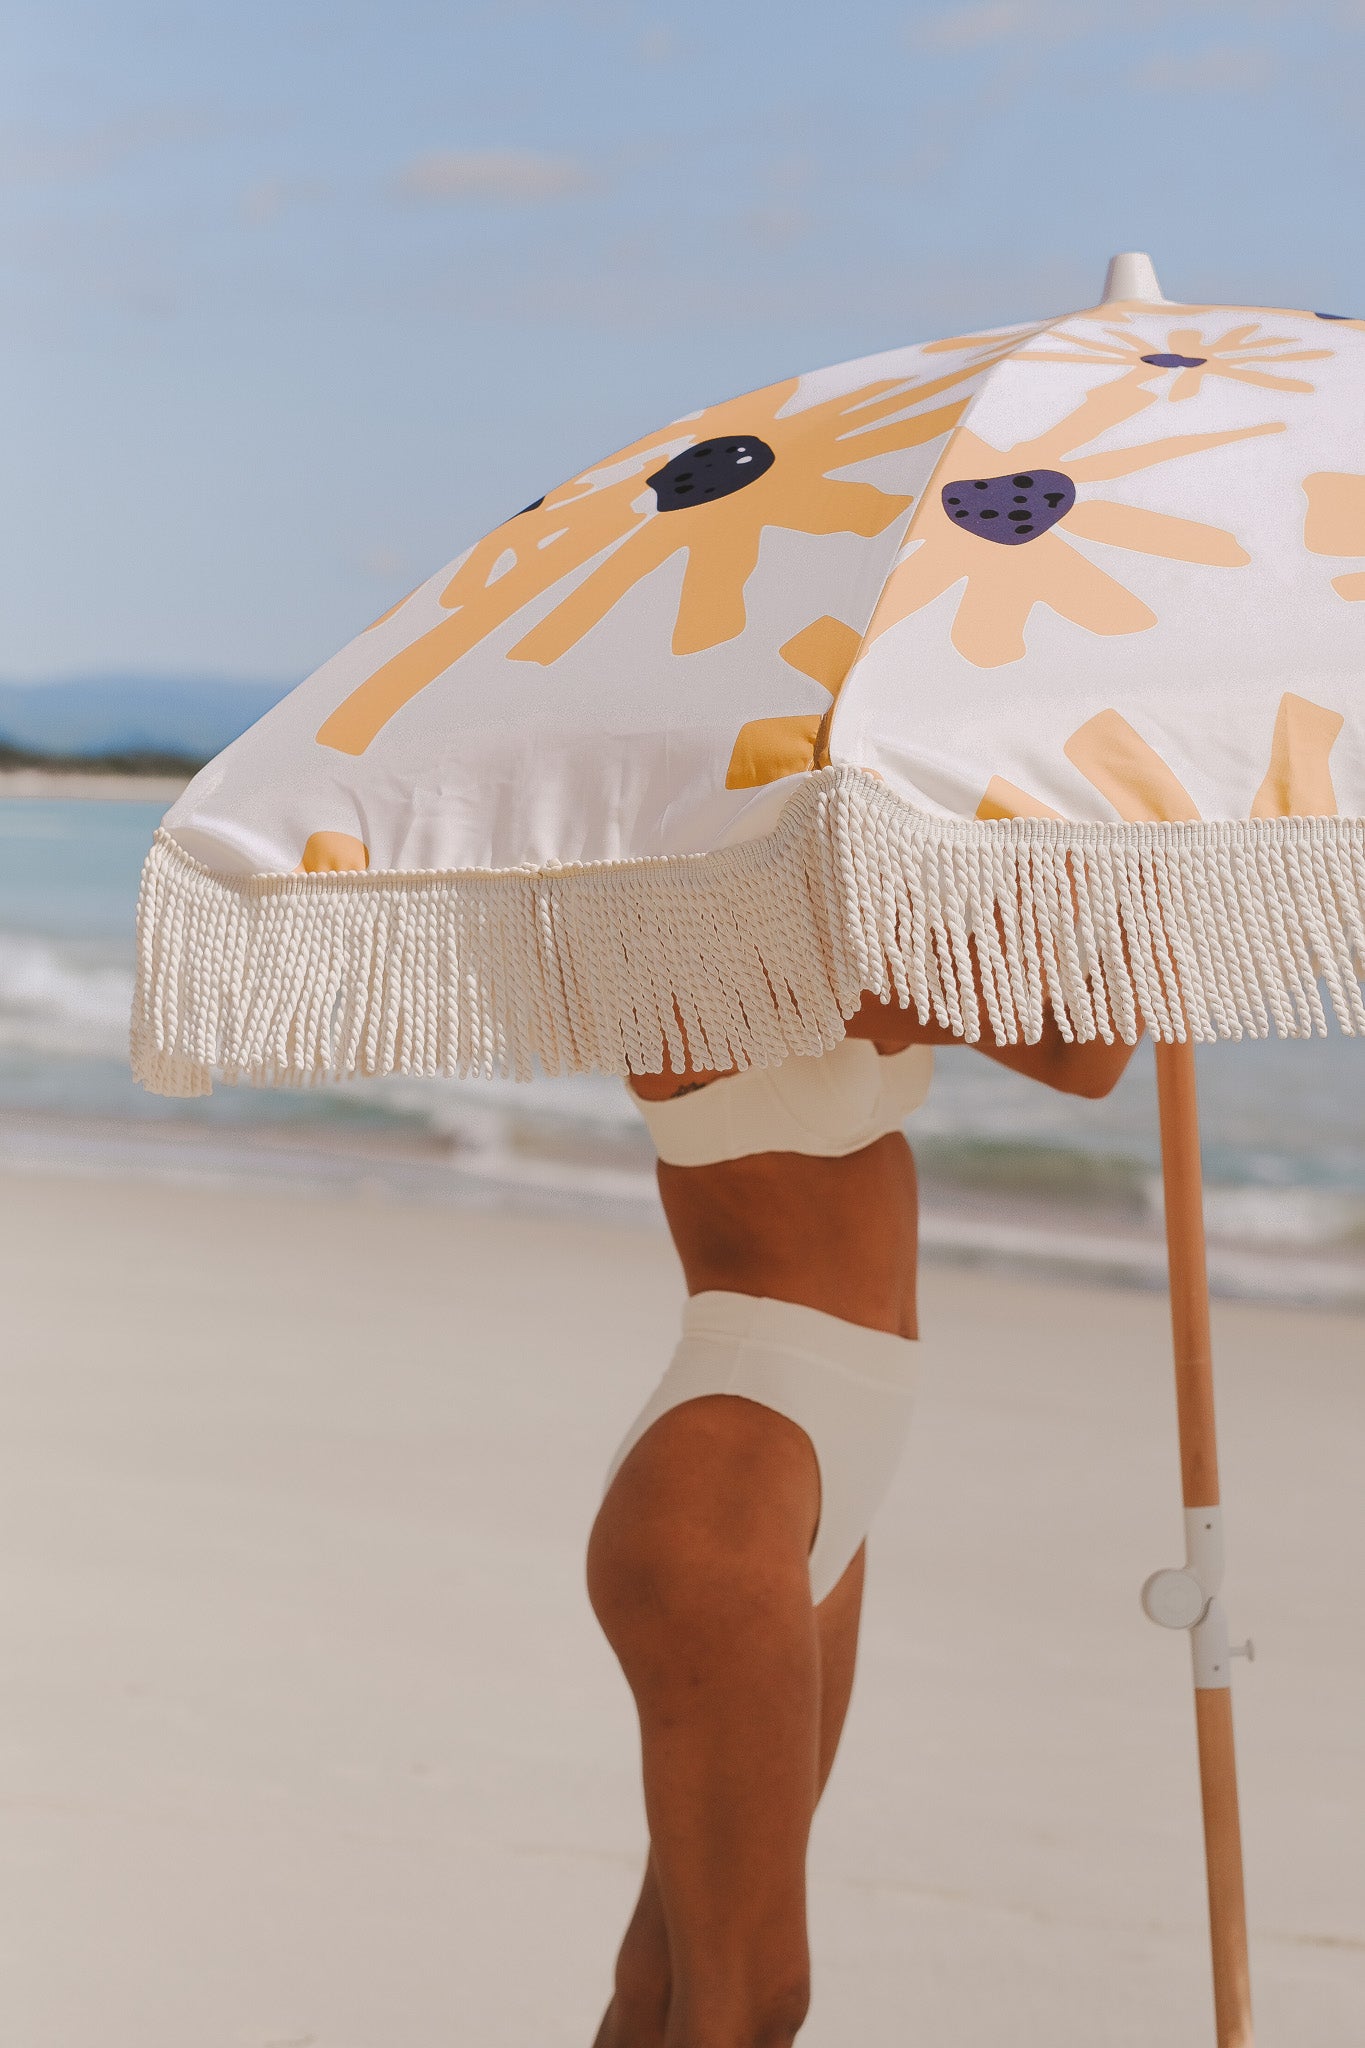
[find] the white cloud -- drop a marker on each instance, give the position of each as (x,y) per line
(263,203)
(979,24)
(83,155)
(777,227)
(984,24)
(510,177)
(1226,68)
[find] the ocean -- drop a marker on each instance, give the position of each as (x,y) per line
(1011,1173)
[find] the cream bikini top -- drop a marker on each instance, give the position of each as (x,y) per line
(828,1107)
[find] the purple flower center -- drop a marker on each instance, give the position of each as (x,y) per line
(1010,509)
(1175,362)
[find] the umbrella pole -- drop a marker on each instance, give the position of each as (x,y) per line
(1188,1598)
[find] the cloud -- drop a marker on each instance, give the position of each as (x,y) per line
(263,203)
(980,24)
(32,157)
(776,227)
(1225,68)
(509,177)
(986,24)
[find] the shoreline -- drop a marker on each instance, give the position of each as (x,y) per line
(54,785)
(1058,1243)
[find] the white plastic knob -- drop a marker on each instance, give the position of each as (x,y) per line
(1174,1599)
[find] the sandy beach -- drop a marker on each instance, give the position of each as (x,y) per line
(310,1741)
(59,785)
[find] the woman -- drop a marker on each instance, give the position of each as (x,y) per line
(726,1563)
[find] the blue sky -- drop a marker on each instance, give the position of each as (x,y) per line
(297,299)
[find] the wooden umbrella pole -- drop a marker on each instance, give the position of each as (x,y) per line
(1189,1598)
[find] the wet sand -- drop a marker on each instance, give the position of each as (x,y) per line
(310,1741)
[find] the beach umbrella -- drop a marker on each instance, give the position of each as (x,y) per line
(1016,674)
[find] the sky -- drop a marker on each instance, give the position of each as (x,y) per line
(296,300)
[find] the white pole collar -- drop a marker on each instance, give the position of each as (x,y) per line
(1132,276)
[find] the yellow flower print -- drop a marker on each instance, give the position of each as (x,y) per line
(1336,525)
(1238,355)
(769,748)
(706,487)
(1001,521)
(333,853)
(1131,775)
(985,350)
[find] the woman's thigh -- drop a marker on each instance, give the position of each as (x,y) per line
(698,1572)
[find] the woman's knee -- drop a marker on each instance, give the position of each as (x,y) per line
(768,2013)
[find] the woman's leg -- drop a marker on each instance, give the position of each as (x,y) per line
(698,1571)
(638,2013)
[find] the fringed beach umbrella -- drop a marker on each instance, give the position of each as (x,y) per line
(1016,674)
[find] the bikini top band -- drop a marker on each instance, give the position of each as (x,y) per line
(826,1107)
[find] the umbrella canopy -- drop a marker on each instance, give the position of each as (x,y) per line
(1013,670)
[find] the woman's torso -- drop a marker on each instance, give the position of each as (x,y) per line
(828,1228)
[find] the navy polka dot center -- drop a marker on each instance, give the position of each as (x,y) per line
(1010,509)
(714,469)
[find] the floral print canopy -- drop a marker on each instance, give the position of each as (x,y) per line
(1102,571)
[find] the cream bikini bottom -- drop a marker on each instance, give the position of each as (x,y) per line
(847,1387)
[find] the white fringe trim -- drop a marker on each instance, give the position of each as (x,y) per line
(754,952)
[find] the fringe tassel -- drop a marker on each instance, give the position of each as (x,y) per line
(754,952)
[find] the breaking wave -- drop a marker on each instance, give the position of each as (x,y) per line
(62,997)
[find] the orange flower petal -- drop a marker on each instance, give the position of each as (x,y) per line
(1335,524)
(915,582)
(1090,469)
(333,853)
(1299,781)
(1132,775)
(1006,800)
(1156,533)
(1234,338)
(989,625)
(1087,595)
(590,601)
(769,748)
(720,562)
(1242,373)
(1109,405)
(825,651)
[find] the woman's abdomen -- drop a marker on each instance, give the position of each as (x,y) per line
(839,1235)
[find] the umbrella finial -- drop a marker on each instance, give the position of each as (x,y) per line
(1131,276)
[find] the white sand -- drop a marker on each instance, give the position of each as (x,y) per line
(61,784)
(308,1740)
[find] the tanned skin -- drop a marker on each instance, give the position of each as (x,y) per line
(698,1573)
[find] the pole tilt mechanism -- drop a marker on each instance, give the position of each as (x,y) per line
(1187,1597)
